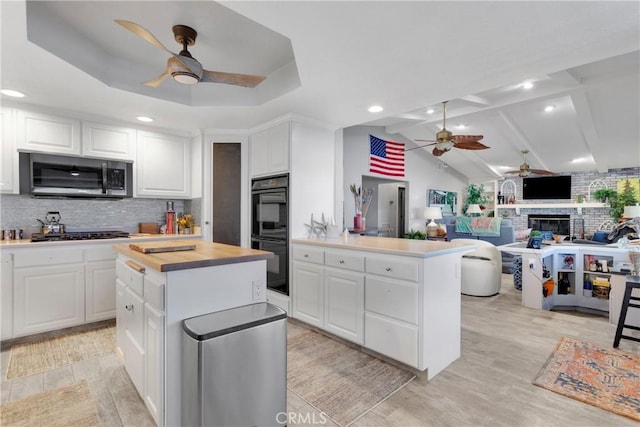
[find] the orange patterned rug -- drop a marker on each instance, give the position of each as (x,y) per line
(600,376)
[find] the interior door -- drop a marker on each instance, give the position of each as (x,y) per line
(226,193)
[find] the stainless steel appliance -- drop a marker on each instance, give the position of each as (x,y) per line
(234,367)
(78,235)
(48,175)
(270,227)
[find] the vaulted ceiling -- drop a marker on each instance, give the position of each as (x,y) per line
(331,60)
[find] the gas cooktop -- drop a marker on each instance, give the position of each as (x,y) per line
(78,235)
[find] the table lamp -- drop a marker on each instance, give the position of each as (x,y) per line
(631,212)
(474,209)
(432,213)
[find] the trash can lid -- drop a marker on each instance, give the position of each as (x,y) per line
(225,322)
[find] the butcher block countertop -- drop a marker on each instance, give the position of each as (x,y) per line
(205,254)
(390,245)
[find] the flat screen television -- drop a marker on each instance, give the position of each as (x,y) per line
(547,187)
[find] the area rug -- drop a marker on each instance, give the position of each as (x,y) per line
(72,405)
(40,356)
(338,380)
(600,376)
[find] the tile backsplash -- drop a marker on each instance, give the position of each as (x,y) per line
(19,211)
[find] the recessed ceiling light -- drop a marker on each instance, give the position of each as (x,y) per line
(145,119)
(582,159)
(12,93)
(461,126)
(527,85)
(375,109)
(549,108)
(430,111)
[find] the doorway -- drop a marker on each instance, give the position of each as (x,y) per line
(225,196)
(387,212)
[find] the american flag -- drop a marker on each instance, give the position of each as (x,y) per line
(387,158)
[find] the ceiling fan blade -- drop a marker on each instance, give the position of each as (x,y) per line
(512,172)
(470,145)
(244,80)
(142,33)
(422,146)
(156,82)
(541,172)
(467,138)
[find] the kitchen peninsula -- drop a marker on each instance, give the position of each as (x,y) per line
(397,297)
(156,291)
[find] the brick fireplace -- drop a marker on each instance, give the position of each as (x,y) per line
(558,223)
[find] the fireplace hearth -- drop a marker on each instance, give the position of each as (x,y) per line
(558,224)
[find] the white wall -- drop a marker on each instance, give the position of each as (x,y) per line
(312,178)
(421,173)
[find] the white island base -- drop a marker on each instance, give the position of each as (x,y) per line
(397,297)
(152,303)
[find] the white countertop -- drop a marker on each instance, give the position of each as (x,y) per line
(389,245)
(134,237)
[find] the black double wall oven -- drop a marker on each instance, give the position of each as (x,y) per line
(270,227)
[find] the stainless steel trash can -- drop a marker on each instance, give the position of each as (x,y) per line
(235,367)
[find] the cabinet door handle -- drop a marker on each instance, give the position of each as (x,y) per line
(137,267)
(341,261)
(129,307)
(388,268)
(306,255)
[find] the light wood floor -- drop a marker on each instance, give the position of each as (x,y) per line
(504,345)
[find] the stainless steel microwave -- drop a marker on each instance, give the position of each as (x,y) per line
(49,175)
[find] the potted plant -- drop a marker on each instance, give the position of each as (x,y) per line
(604,195)
(415,234)
(475,196)
(185,223)
(622,199)
(535,239)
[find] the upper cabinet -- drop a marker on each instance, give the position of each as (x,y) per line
(47,133)
(109,142)
(270,150)
(8,156)
(162,166)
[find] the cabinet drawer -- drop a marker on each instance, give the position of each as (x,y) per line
(307,254)
(154,292)
(100,254)
(349,261)
(47,257)
(405,270)
(130,277)
(391,338)
(392,298)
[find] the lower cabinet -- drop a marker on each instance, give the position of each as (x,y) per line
(47,298)
(328,291)
(140,332)
(100,298)
(344,304)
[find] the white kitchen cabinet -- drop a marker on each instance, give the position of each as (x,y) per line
(154,356)
(344,304)
(47,133)
(270,150)
(47,298)
(9,161)
(108,142)
(133,350)
(618,287)
(6,296)
(100,285)
(162,166)
(308,293)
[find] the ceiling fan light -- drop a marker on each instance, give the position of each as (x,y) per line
(185,77)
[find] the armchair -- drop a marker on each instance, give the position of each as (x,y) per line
(481,269)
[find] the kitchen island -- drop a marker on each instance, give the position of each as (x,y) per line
(397,297)
(157,291)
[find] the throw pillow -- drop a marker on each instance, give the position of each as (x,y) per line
(522,234)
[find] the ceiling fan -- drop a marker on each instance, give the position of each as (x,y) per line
(183,67)
(525,170)
(445,140)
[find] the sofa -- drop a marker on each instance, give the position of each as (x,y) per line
(507,235)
